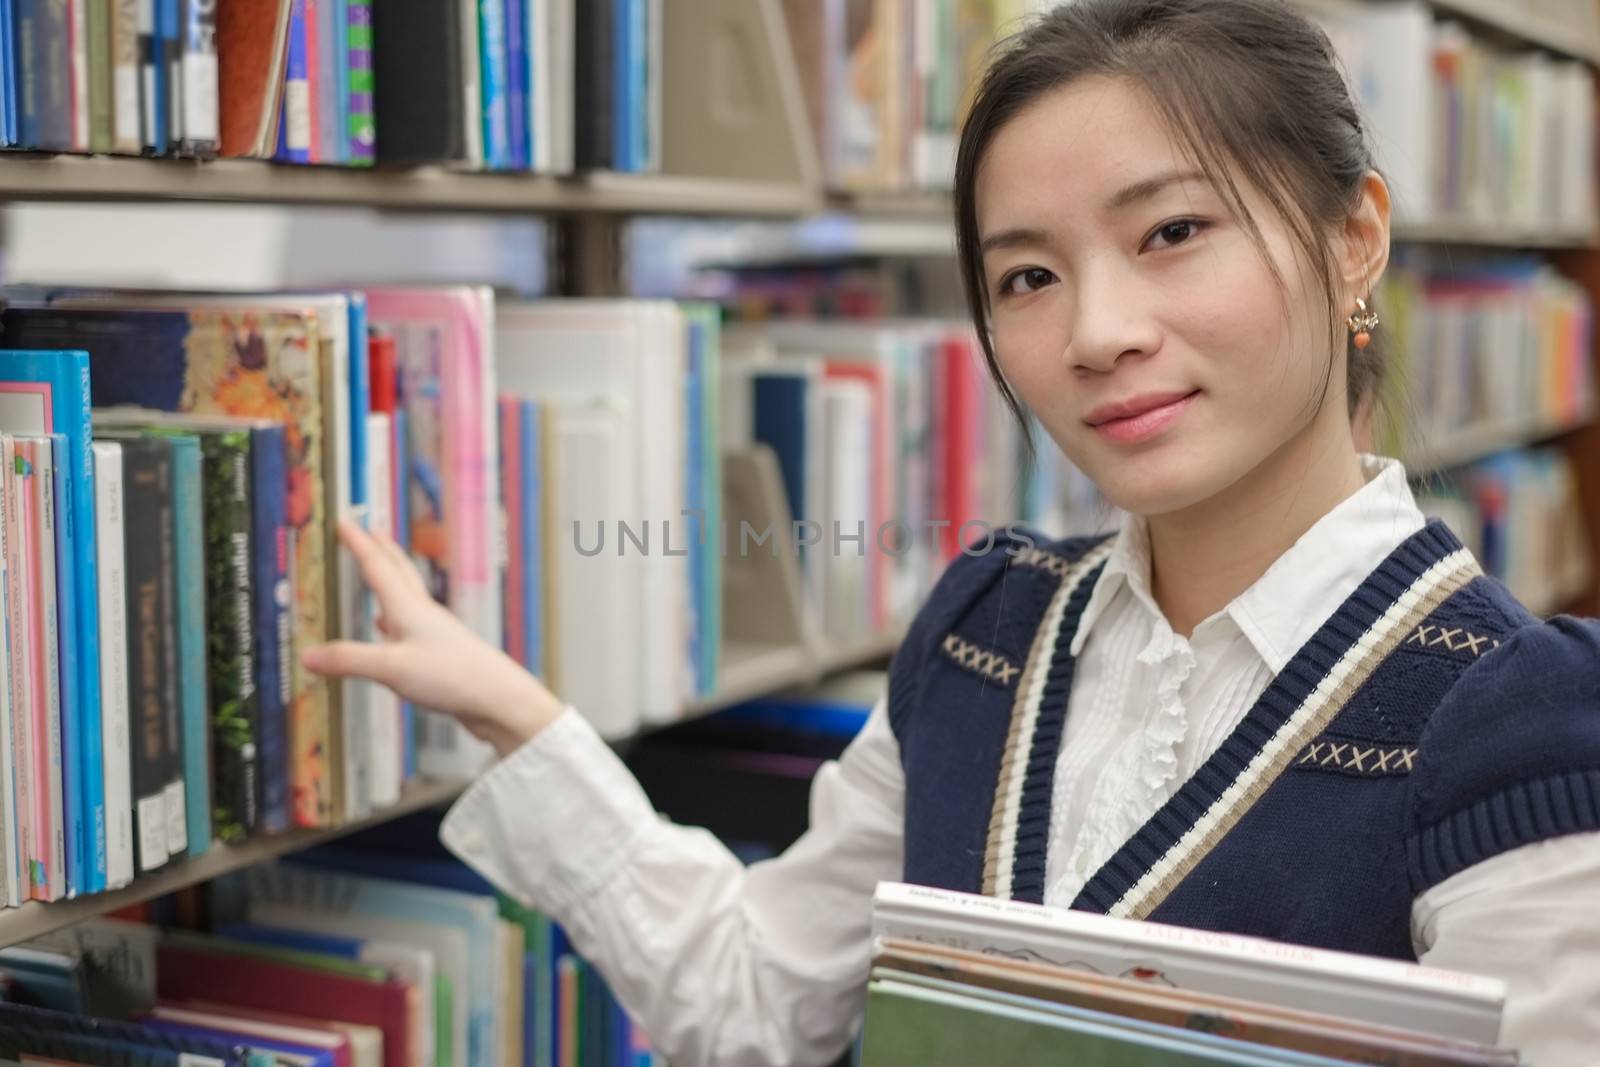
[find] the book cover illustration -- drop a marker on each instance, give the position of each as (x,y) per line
(258,363)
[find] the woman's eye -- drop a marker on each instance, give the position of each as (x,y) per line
(1177,231)
(1025,281)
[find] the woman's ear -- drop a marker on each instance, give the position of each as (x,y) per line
(1366,238)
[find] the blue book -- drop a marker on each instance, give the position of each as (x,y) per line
(360,397)
(304,1055)
(348,948)
(169,62)
(274,615)
(48,392)
(329,96)
(72,799)
(8,78)
(188,510)
(622,110)
(493,52)
(780,421)
(518,62)
(640,76)
(341,140)
(532,546)
(43,81)
(402,517)
(297,102)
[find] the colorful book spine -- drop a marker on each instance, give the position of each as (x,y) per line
(201,97)
(363,126)
(272,577)
(99,32)
(146,493)
(494,54)
(8,77)
(52,811)
(335,56)
(193,630)
(79,845)
(19,633)
(10,842)
(316,46)
(127,78)
(294,125)
(531,543)
(518,59)
(169,60)
(113,620)
(43,74)
(152,80)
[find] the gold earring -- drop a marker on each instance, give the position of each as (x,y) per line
(1362,323)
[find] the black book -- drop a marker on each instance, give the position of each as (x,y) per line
(594,91)
(149,545)
(416,62)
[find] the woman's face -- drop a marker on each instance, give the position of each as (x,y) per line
(1133,314)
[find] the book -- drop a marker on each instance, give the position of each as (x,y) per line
(200,105)
(228,674)
(127,78)
(193,638)
(1368,989)
(360,103)
(417,59)
(147,494)
(252,42)
(20,638)
(109,539)
(48,392)
(43,73)
(98,14)
(239,361)
(12,874)
(52,806)
(594,86)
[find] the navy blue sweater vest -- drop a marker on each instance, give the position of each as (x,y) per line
(1430,724)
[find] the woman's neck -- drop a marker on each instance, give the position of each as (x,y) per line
(1204,556)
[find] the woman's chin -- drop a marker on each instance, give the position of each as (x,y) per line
(1159,484)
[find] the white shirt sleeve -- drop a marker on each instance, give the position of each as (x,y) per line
(1530,916)
(720,964)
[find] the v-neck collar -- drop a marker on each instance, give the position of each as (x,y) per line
(1297,705)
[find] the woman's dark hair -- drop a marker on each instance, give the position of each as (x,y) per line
(1249,87)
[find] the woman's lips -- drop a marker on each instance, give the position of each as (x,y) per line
(1141,418)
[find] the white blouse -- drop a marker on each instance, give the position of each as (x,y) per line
(724,964)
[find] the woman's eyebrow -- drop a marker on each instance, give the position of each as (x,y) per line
(1149,187)
(1012,238)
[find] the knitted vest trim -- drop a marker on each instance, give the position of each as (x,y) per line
(1295,709)
(1019,824)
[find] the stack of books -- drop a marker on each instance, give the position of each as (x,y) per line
(963,979)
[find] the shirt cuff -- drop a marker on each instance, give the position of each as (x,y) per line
(554,821)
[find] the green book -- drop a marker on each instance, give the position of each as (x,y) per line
(229,611)
(100,139)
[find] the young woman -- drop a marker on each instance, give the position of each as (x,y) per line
(1277,702)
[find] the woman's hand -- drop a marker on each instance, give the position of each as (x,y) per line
(430,657)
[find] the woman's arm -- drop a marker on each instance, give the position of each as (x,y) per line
(719,963)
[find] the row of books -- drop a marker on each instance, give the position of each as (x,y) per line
(338,959)
(959,978)
(894,451)
(1520,514)
(496,85)
(1501,348)
(1466,130)
(887,82)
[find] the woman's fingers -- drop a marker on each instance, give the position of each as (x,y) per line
(377,566)
(343,659)
(401,560)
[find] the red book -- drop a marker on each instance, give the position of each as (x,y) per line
(192,973)
(961,393)
(384,373)
(512,487)
(251,46)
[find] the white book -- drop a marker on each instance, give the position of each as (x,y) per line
(1393,77)
(109,535)
(383,705)
(561,24)
(471,87)
(10,845)
(848,548)
(1371,989)
(44,487)
(447,947)
(635,354)
(541,80)
(597,597)
(78,16)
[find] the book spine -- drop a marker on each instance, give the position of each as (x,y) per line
(235,708)
(86,582)
(363,129)
(8,77)
(113,614)
(623,113)
(126,77)
(19,634)
(540,79)
(493,53)
(77,14)
(76,794)
(98,14)
(593,87)
(272,592)
(10,842)
(143,491)
(531,546)
(401,501)
(44,77)
(315,47)
(294,128)
(173,792)
(169,43)
(44,504)
(516,91)
(192,630)
(151,99)
(334,94)
(202,102)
